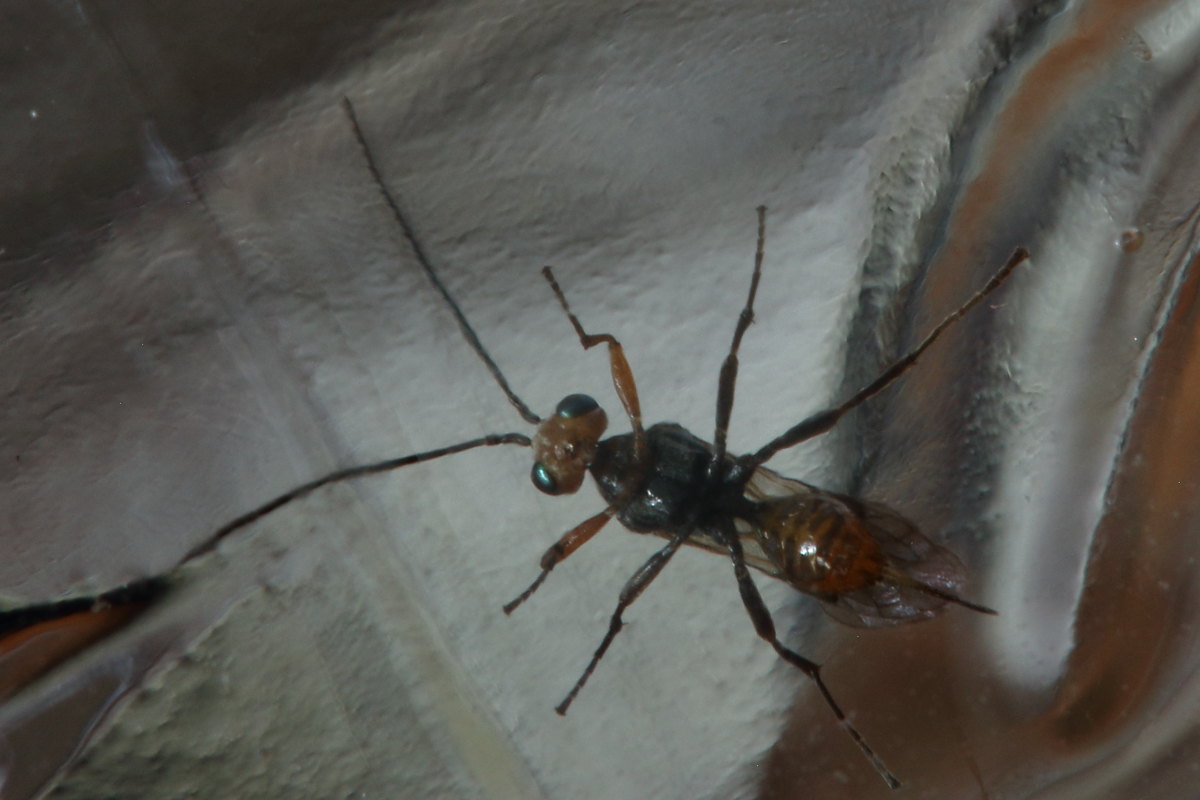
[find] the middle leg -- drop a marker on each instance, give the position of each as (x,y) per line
(622,374)
(729,369)
(633,589)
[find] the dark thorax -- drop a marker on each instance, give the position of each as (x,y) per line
(669,491)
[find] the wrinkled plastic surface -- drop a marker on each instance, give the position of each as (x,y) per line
(173,359)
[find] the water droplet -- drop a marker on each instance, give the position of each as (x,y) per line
(1130,240)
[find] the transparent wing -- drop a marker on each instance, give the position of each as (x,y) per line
(752,548)
(915,566)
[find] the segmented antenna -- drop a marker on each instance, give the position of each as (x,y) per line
(467,331)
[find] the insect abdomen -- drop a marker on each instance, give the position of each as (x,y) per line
(818,545)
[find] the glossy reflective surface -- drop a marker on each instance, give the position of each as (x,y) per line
(170,369)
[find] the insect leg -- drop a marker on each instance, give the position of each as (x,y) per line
(622,375)
(729,368)
(822,421)
(765,627)
(571,541)
(632,590)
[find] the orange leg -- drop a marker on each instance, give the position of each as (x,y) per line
(622,375)
(571,541)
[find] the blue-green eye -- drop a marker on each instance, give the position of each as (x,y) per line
(543,480)
(575,405)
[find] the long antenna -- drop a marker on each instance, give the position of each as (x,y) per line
(349,473)
(467,331)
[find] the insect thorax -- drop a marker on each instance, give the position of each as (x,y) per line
(667,493)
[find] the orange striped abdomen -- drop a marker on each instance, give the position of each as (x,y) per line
(819,544)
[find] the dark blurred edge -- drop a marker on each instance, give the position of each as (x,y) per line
(92,87)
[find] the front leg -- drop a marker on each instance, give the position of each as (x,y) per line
(571,541)
(622,374)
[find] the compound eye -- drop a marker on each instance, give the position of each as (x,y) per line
(543,480)
(575,405)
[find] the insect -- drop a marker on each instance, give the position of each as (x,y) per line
(866,563)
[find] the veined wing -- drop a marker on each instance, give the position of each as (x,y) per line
(867,564)
(761,550)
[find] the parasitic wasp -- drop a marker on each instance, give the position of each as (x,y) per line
(867,564)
